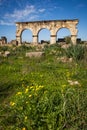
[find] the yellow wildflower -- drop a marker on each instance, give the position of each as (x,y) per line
(19,93)
(64,85)
(23,128)
(26,90)
(26,102)
(25,117)
(39,87)
(30,95)
(31,87)
(12,103)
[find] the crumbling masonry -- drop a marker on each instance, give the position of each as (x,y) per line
(52,25)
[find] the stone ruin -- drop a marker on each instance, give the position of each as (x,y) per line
(3,40)
(52,25)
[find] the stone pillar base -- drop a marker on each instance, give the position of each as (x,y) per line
(35,39)
(53,39)
(73,39)
(18,39)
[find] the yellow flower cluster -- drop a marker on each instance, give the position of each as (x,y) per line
(19,93)
(12,103)
(39,87)
(28,91)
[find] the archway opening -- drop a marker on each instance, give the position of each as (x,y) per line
(44,36)
(63,35)
(26,36)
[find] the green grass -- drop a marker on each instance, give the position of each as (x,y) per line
(59,105)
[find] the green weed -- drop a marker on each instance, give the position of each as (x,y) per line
(42,93)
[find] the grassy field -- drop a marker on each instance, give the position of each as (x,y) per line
(43,93)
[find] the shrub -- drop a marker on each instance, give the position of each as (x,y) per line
(4,48)
(76,52)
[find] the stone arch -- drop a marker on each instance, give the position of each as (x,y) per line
(23,30)
(63,29)
(52,25)
(19,32)
(47,30)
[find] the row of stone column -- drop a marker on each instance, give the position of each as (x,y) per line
(52,39)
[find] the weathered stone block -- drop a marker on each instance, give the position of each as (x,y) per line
(6,54)
(34,54)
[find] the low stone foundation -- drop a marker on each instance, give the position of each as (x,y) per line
(34,54)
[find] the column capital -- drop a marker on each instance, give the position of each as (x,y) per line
(35,35)
(53,35)
(53,39)
(17,36)
(73,35)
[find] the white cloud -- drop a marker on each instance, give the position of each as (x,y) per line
(30,12)
(58,7)
(20,14)
(33,17)
(2,22)
(42,10)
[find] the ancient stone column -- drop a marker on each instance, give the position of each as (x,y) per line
(52,39)
(35,39)
(18,39)
(73,39)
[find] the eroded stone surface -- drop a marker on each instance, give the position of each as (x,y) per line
(53,26)
(3,40)
(6,54)
(34,54)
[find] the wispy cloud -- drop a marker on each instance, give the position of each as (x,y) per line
(26,14)
(2,22)
(42,10)
(33,17)
(19,14)
(60,8)
(81,5)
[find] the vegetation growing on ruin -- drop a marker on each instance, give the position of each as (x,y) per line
(43,93)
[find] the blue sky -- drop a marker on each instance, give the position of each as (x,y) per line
(12,11)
